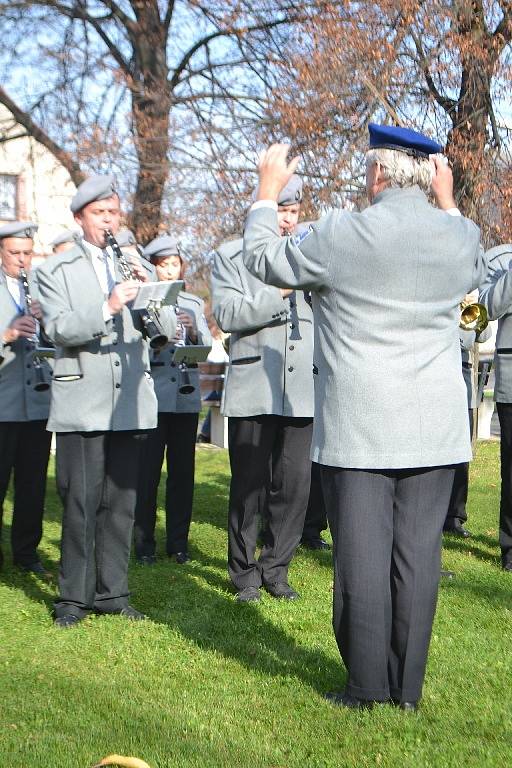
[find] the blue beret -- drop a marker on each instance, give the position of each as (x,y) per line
(162,246)
(98,187)
(403,139)
(67,236)
(125,238)
(18,229)
(292,193)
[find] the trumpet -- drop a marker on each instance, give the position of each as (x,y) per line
(473,317)
(157,339)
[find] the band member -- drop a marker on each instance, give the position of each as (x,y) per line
(496,296)
(24,441)
(386,285)
(269,402)
(179,403)
(316,515)
(457,514)
(65,240)
(103,402)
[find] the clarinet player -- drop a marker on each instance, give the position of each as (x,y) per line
(24,441)
(103,403)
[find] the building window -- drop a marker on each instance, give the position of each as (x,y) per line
(8,186)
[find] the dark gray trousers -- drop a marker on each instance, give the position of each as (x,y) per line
(386,527)
(268,455)
(505,535)
(97,481)
(459,495)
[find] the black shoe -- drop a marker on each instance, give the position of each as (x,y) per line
(131,613)
(447,574)
(342,699)
(315,543)
(203,439)
(67,621)
(507,566)
(37,568)
(456,528)
(248,595)
(146,560)
(407,706)
(283,590)
(181,557)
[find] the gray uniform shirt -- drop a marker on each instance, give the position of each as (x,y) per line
(496,295)
(18,399)
(166,374)
(271,346)
(102,378)
(386,286)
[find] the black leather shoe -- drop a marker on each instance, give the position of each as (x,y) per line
(447,574)
(282,590)
(37,568)
(248,595)
(407,706)
(315,543)
(457,529)
(507,566)
(182,557)
(342,699)
(67,621)
(146,560)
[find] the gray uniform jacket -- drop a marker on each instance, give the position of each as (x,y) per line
(18,399)
(271,345)
(166,374)
(496,295)
(468,339)
(386,285)
(102,378)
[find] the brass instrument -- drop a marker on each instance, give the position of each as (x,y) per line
(149,316)
(38,352)
(473,317)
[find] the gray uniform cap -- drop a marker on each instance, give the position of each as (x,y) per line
(98,187)
(292,193)
(67,236)
(162,246)
(126,238)
(18,229)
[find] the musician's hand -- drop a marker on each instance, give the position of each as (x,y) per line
(188,323)
(285,292)
(23,326)
(442,183)
(36,311)
(274,171)
(121,294)
(138,269)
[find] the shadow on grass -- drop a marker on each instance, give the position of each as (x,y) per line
(493,594)
(470,546)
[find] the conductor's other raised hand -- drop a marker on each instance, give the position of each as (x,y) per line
(442,183)
(275,171)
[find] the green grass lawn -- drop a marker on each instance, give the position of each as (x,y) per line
(208,682)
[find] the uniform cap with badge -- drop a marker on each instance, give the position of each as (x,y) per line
(292,192)
(162,246)
(66,236)
(18,229)
(97,187)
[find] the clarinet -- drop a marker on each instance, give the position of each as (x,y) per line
(186,387)
(157,339)
(41,384)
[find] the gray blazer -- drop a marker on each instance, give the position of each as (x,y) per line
(18,399)
(468,339)
(165,373)
(496,295)
(102,377)
(271,346)
(386,286)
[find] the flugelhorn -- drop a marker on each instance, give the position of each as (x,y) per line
(473,317)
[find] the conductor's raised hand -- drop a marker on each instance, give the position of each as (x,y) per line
(275,171)
(442,183)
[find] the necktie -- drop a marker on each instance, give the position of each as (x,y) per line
(110,278)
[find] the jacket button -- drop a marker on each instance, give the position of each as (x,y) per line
(173,378)
(28,381)
(292,326)
(118,386)
(117,362)
(28,365)
(291,347)
(173,365)
(290,368)
(114,343)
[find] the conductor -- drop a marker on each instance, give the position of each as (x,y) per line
(386,285)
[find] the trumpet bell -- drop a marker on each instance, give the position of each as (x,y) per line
(473,317)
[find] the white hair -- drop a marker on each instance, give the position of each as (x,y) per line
(401,169)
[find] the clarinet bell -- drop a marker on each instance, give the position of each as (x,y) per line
(41,384)
(186,387)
